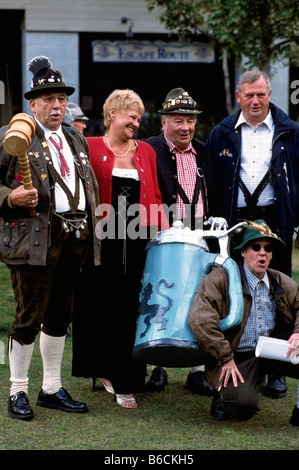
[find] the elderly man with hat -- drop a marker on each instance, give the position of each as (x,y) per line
(187,187)
(44,250)
(271,308)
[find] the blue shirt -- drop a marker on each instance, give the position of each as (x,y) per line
(261,320)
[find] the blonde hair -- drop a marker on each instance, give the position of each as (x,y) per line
(121,100)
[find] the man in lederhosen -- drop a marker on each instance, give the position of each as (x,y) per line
(44,251)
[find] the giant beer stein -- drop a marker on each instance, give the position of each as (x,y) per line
(177,260)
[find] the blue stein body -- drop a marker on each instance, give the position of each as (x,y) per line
(176,263)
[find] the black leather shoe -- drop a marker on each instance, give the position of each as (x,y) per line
(276,387)
(61,401)
(157,381)
(217,409)
(295,417)
(196,382)
(19,407)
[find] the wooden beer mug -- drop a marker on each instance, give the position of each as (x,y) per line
(17,139)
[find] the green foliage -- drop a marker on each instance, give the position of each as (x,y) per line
(259,30)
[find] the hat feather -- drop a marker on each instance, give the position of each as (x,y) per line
(38,63)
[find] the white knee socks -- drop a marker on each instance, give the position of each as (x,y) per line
(19,361)
(51,348)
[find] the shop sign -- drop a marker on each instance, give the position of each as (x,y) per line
(147,52)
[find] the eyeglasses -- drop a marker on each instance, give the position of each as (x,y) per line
(50,99)
(257,247)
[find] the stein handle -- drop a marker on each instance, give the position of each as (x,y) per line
(235,292)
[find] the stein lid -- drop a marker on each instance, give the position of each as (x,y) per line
(180,234)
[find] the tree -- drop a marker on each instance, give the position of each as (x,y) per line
(261,31)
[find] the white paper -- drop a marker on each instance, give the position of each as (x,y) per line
(273,348)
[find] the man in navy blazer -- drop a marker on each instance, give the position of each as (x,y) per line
(186,183)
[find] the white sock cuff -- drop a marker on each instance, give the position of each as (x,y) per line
(19,360)
(51,348)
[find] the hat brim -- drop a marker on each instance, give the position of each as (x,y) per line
(277,243)
(179,111)
(49,88)
(81,118)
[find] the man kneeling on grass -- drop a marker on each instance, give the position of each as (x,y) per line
(271,308)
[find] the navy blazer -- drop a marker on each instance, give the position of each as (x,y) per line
(224,143)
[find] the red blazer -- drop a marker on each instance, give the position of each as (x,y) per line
(102,161)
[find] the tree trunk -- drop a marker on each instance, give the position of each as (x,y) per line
(228,97)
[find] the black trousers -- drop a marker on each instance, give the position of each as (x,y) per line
(241,402)
(45,294)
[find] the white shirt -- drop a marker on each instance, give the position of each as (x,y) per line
(256,154)
(61,200)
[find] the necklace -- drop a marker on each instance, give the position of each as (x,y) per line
(116,155)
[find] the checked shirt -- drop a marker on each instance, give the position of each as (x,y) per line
(261,320)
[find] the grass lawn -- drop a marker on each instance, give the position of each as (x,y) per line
(168,421)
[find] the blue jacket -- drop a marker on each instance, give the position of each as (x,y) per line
(224,143)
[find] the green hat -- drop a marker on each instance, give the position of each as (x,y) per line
(45,80)
(178,101)
(260,230)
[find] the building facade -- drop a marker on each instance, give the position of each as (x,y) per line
(100,45)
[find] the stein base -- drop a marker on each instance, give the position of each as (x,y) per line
(170,353)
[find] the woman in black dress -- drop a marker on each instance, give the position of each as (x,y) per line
(107,302)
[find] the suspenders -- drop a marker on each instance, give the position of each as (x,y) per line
(252,199)
(199,187)
(73,199)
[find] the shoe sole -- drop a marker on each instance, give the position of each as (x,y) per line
(275,394)
(21,417)
(52,406)
(294,422)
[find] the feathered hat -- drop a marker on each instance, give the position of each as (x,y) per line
(45,79)
(259,229)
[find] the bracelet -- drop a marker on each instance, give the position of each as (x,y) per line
(9,202)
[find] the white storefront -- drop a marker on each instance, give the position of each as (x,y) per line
(52,28)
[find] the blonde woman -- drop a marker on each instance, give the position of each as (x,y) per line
(130,198)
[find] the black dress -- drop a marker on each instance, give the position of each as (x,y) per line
(107,298)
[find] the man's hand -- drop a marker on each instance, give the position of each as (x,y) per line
(294,345)
(229,369)
(24,197)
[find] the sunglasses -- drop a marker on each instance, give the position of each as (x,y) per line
(258,247)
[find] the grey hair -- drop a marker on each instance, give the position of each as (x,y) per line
(251,77)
